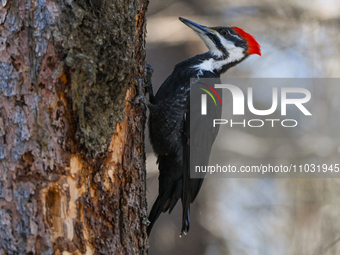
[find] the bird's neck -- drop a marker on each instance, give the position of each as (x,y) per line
(209,62)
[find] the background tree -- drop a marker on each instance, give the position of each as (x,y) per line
(72,171)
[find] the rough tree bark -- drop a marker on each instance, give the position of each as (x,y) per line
(72,171)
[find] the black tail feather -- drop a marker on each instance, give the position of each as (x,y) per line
(185,221)
(161,205)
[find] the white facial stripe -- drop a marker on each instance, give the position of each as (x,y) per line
(236,36)
(235,54)
(226,44)
(211,45)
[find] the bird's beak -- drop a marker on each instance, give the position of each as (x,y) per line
(197,27)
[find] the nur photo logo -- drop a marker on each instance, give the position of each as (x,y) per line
(239,103)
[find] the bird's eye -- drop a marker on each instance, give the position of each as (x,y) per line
(226,32)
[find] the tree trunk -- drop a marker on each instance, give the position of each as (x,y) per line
(72,162)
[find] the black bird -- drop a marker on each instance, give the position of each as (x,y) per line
(169,115)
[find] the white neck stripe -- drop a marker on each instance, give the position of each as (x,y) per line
(211,64)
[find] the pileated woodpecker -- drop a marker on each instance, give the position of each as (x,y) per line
(169,114)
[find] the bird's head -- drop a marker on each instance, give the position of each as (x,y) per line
(226,42)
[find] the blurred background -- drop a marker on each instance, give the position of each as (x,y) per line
(299,39)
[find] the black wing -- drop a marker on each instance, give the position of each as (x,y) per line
(170,134)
